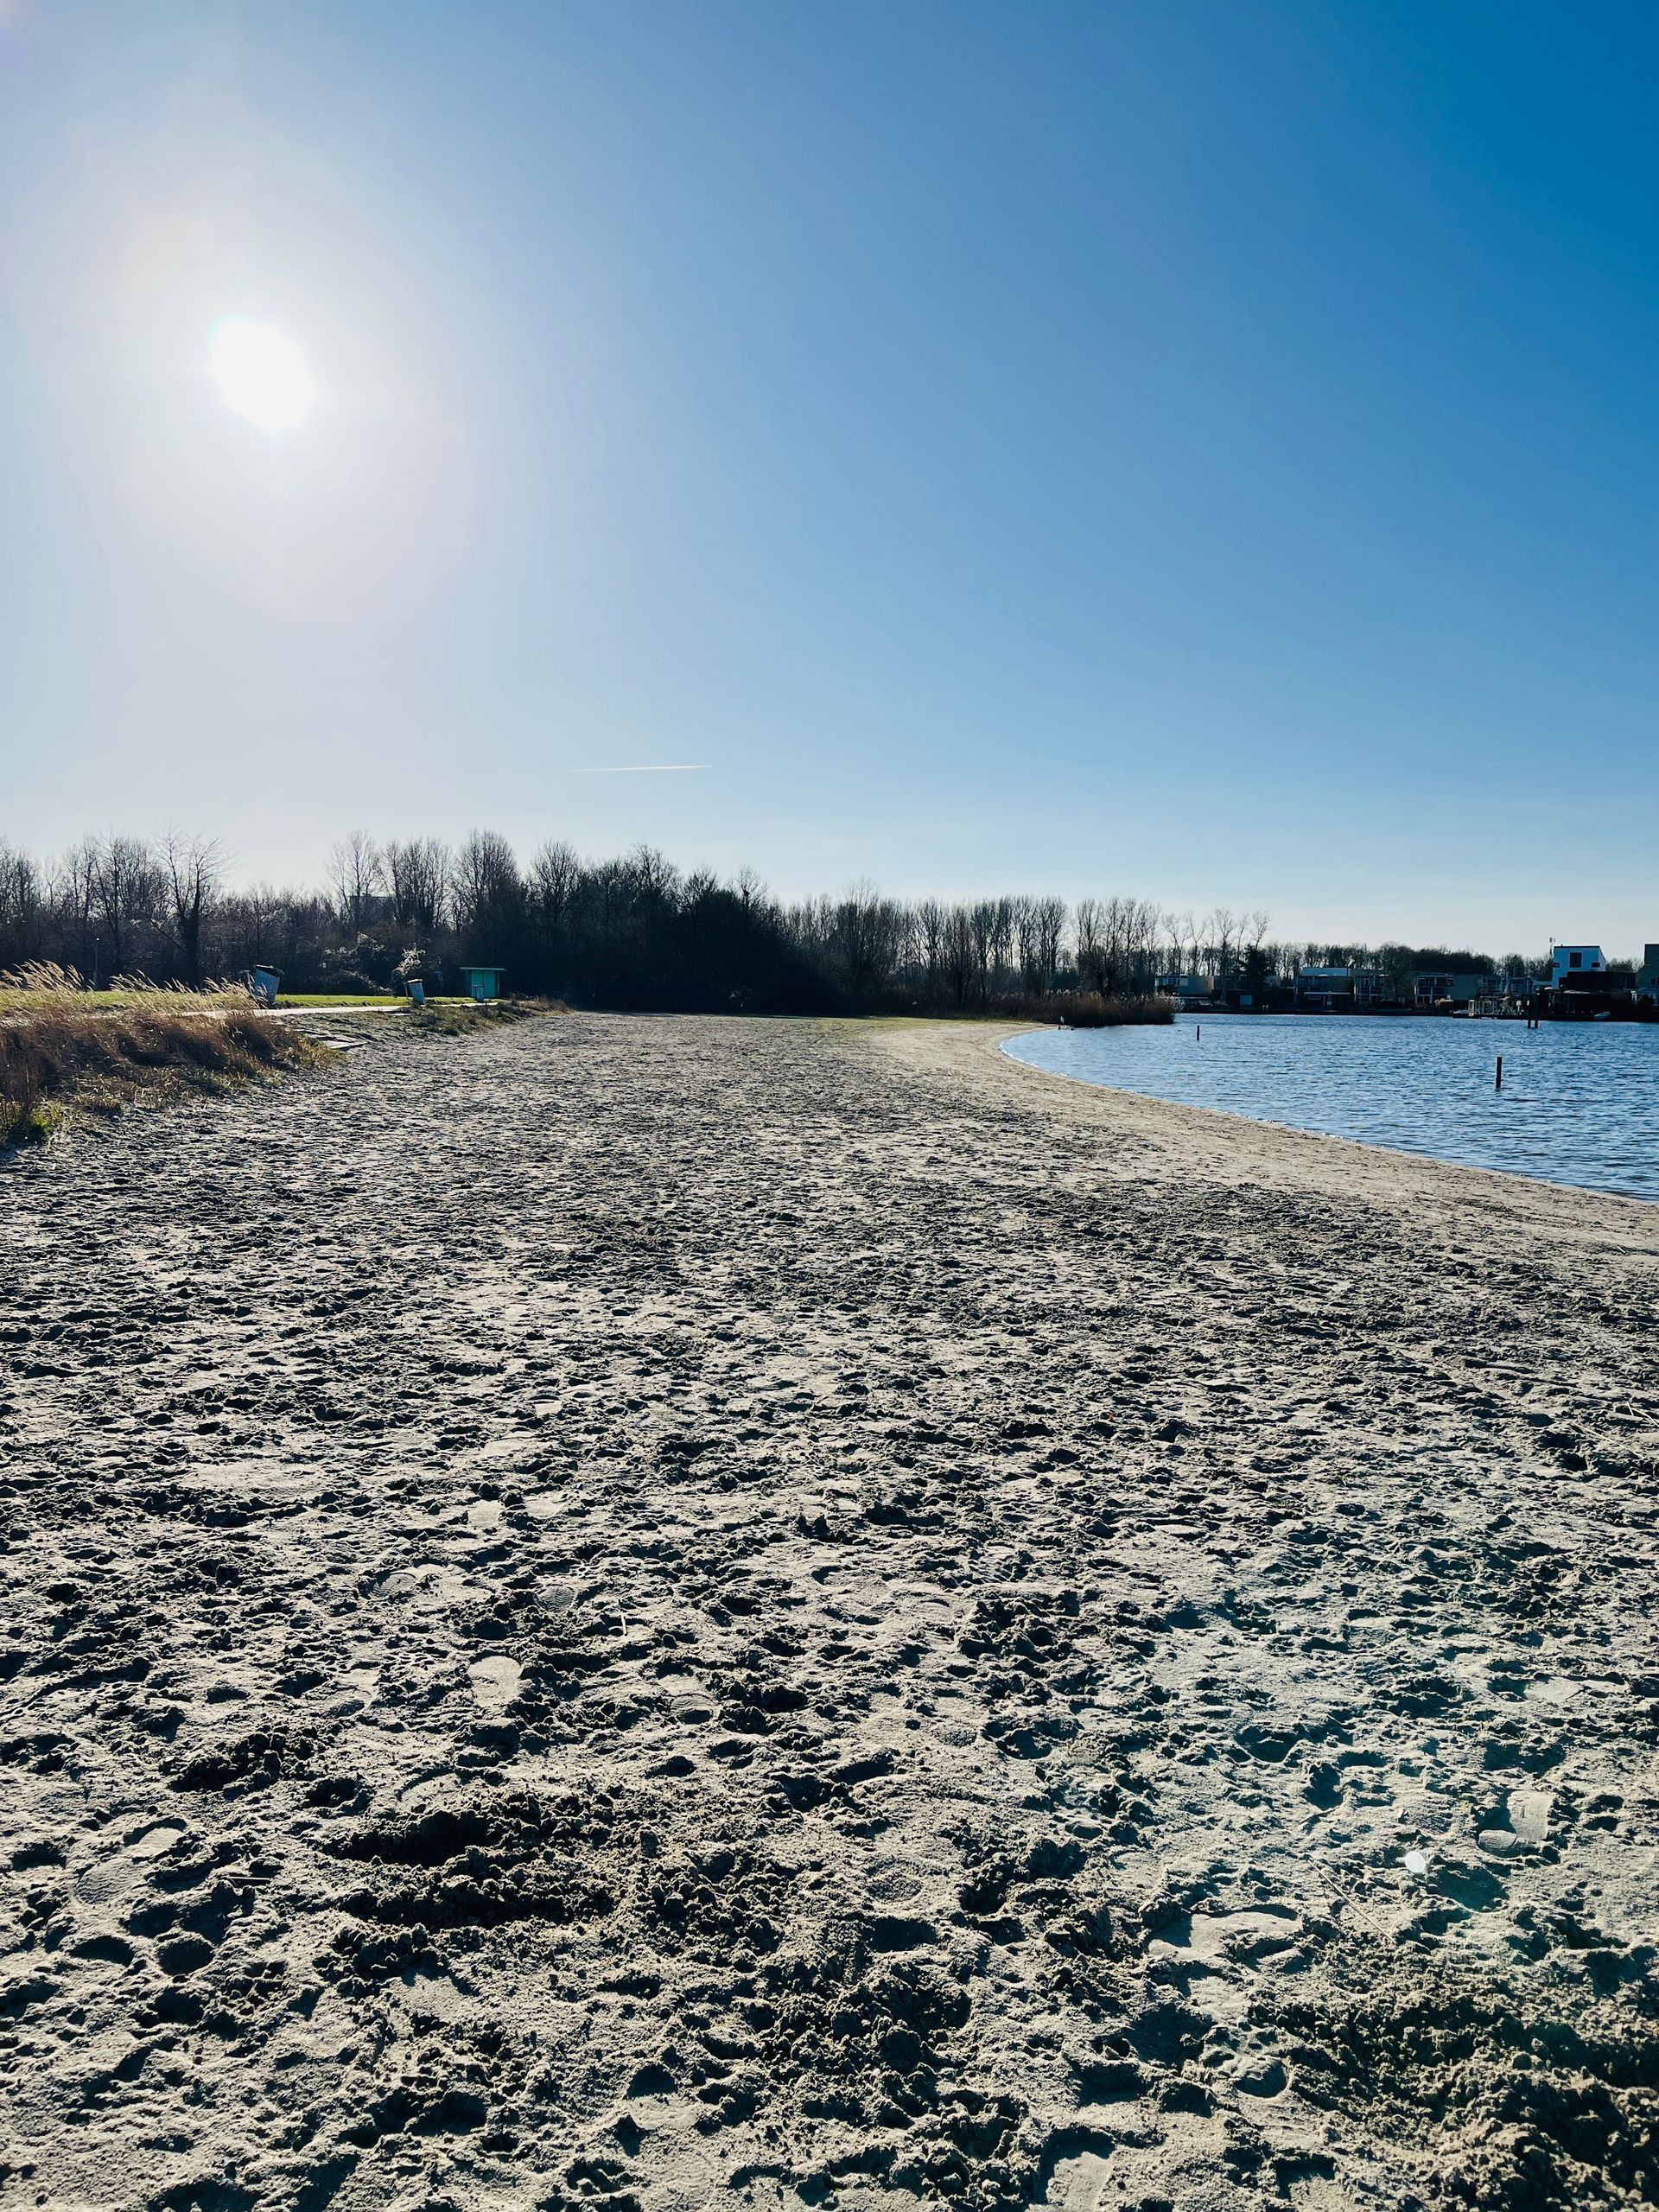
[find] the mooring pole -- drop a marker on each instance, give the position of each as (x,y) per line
(1498,1085)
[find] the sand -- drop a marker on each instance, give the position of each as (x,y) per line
(672,1613)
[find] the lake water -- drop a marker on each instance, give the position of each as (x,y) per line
(1579,1102)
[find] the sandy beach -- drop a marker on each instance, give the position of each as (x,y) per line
(674,1613)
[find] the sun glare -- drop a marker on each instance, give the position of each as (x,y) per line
(262,374)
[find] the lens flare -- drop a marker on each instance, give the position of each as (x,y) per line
(261,374)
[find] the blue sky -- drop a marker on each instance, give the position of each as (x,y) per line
(1203,451)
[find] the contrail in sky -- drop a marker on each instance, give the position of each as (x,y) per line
(643,768)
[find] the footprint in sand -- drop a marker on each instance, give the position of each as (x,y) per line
(429,1997)
(110,1877)
(1083,2182)
(183,1955)
(1530,1812)
(1242,1937)
(495,1682)
(1529,1825)
(1555,1691)
(155,1842)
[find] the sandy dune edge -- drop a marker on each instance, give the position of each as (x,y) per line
(673,1613)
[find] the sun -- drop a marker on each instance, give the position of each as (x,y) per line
(261,374)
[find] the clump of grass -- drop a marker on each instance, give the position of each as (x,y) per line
(463,1018)
(64,1048)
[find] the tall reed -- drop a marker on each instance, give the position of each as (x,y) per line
(63,1046)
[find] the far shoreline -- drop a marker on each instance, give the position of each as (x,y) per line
(1365,1145)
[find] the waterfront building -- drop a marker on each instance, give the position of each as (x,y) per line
(1435,986)
(1189,990)
(1339,990)
(1569,961)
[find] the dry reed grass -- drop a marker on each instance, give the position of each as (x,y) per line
(64,1047)
(1090,1010)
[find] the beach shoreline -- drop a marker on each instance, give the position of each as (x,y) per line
(1302,1168)
(670,1611)
(1607,1157)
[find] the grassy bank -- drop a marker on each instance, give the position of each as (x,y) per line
(437,1018)
(380,999)
(65,1049)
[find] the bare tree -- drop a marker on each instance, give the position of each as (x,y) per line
(356,873)
(554,877)
(251,923)
(418,871)
(1150,924)
(22,902)
(193,868)
(755,905)
(125,885)
(1005,922)
(1191,946)
(487,891)
(653,874)
(74,895)
(964,954)
(1221,932)
(988,920)
(1091,949)
(867,934)
(1041,925)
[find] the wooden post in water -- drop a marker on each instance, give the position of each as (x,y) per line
(1498,1085)
(1197,1029)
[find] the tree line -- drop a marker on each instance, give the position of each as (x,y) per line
(631,933)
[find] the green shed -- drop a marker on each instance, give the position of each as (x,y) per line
(484,983)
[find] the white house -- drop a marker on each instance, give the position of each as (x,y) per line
(1567,960)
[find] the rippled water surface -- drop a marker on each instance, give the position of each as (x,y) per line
(1579,1102)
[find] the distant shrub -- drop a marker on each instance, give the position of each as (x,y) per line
(1090,1010)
